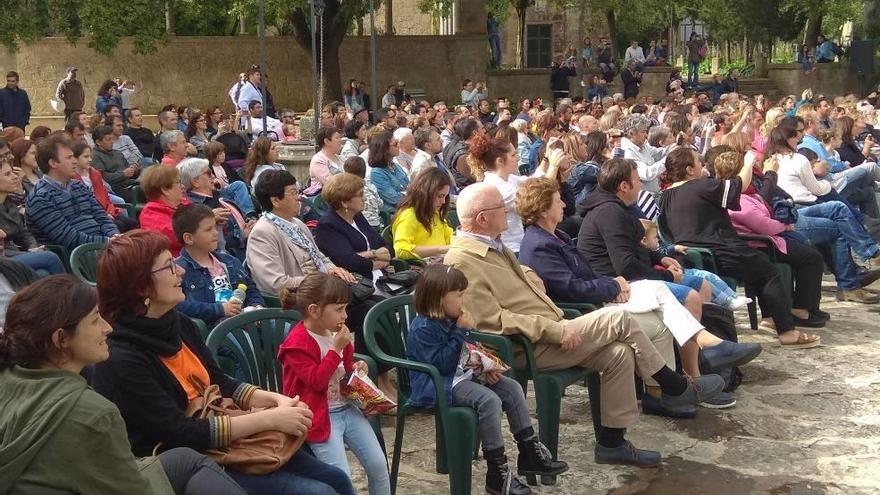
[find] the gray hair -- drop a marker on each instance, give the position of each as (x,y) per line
(633,123)
(167,138)
(190,169)
(520,125)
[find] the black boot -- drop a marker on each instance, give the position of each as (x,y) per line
(499,479)
(535,459)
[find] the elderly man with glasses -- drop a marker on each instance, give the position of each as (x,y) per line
(507,298)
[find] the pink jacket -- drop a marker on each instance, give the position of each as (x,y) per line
(754,217)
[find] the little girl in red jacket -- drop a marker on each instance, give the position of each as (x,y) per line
(314,357)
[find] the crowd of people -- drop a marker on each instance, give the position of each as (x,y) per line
(507,212)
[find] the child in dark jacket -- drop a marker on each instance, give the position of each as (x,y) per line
(436,337)
(315,357)
(211,276)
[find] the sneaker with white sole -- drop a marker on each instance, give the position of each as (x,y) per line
(739,302)
(723,401)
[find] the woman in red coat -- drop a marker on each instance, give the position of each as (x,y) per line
(164,194)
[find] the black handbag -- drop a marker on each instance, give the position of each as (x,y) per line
(362,289)
(404,282)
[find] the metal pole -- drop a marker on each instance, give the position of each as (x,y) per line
(373,52)
(315,96)
(263,79)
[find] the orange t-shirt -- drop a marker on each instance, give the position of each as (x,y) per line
(183,365)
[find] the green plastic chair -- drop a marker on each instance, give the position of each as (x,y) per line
(84,262)
(452,219)
(62,252)
(138,198)
(455,427)
(252,340)
(202,326)
(320,205)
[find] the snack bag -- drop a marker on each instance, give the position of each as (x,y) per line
(482,360)
(369,398)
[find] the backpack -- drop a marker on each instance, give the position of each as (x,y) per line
(719,321)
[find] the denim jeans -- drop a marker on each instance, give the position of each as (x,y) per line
(237,192)
(855,234)
(834,224)
(302,475)
(488,401)
(693,73)
(349,427)
(681,289)
(45,263)
(495,46)
(722,294)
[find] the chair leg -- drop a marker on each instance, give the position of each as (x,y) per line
(440,463)
(548,397)
(398,447)
(459,439)
(752,307)
(594,385)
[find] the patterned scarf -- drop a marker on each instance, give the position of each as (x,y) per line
(300,240)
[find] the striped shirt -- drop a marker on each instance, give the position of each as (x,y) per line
(68,215)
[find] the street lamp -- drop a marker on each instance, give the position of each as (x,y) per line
(317,9)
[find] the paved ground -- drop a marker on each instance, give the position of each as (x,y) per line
(806,422)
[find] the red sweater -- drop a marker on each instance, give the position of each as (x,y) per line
(156,216)
(307,375)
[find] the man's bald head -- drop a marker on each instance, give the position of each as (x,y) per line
(472,200)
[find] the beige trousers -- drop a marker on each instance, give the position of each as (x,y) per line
(614,345)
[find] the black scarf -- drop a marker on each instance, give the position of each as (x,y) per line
(160,335)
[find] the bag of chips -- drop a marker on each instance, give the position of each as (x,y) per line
(369,398)
(480,359)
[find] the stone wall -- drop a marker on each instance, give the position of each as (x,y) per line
(199,71)
(828,79)
(533,83)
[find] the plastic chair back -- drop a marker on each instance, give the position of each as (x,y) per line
(84,262)
(252,340)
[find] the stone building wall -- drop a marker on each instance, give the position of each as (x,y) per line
(199,71)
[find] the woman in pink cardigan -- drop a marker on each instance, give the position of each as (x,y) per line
(753,217)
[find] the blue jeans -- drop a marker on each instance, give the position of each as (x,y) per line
(693,73)
(237,192)
(45,263)
(495,46)
(302,475)
(835,224)
(681,289)
(722,294)
(349,427)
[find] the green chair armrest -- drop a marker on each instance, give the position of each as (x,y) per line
(581,307)
(399,265)
(570,314)
(203,328)
(271,300)
(499,343)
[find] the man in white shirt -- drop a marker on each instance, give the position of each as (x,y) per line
(124,144)
(272,125)
(635,52)
(250,90)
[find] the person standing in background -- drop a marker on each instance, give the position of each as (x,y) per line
(494,32)
(70,91)
(15,106)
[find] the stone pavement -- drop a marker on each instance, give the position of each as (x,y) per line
(806,422)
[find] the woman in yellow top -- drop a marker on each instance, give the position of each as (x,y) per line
(419,228)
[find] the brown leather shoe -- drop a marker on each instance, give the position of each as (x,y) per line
(857,295)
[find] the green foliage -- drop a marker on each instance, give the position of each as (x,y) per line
(205,17)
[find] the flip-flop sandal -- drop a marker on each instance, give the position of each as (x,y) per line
(803,343)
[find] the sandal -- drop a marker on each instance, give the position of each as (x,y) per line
(804,341)
(767,327)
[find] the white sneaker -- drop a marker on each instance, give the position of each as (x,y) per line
(739,302)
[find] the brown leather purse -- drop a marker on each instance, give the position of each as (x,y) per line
(261,453)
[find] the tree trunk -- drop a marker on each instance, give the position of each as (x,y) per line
(169,18)
(389,17)
(335,27)
(812,30)
(727,53)
(750,50)
(360,26)
(612,31)
(521,37)
(871,29)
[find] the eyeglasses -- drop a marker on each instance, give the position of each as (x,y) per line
(171,265)
(492,208)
